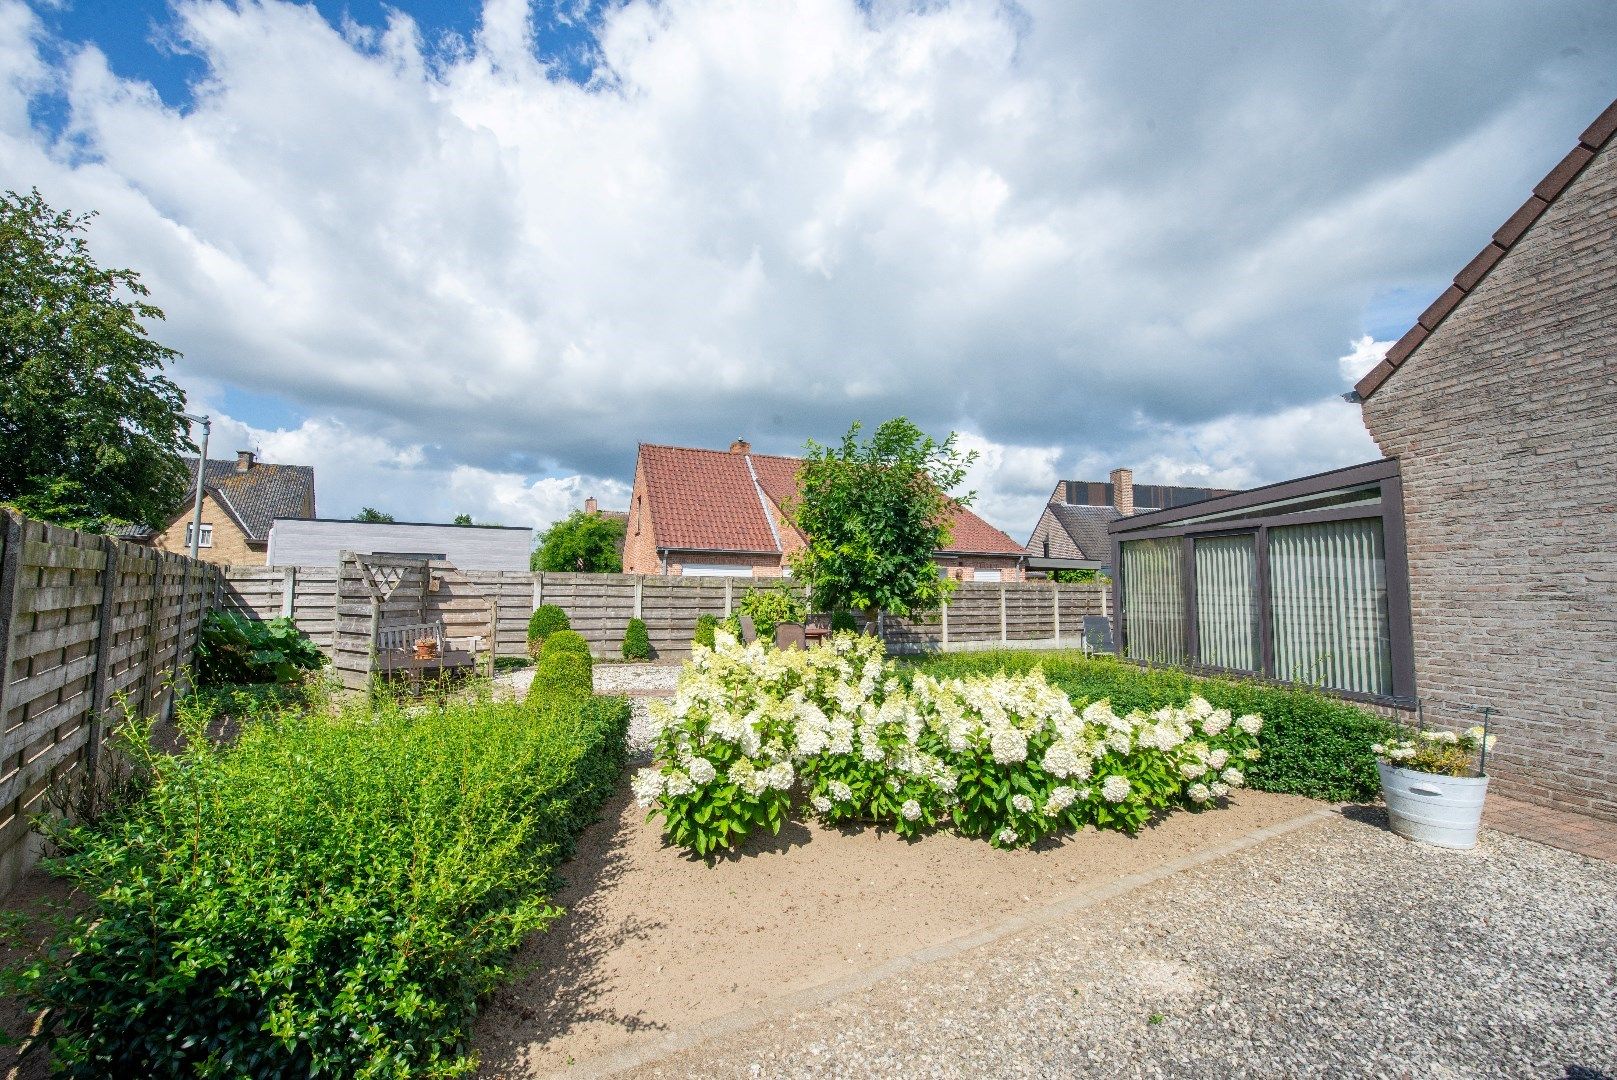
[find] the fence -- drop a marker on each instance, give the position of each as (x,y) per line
(981,615)
(85,622)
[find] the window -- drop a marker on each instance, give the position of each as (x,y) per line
(985,575)
(1301,582)
(1227,624)
(1155,573)
(207,535)
(1329,597)
(715,570)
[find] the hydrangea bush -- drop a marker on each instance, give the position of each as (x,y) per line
(1443,752)
(1009,758)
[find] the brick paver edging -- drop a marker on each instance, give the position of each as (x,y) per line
(630,1057)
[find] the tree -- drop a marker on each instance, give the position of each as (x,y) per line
(874,513)
(91,429)
(581,542)
(370,513)
(463,519)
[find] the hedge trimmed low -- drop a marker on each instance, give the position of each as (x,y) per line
(1313,745)
(328,897)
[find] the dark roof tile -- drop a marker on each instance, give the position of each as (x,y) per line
(1605,126)
(261,494)
(1518,223)
(1441,307)
(1087,527)
(1562,175)
(1475,269)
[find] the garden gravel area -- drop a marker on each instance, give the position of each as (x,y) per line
(1334,950)
(638,682)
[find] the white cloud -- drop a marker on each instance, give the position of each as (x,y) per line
(1367,353)
(1085,235)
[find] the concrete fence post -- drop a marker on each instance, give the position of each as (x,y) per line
(289,588)
(729,608)
(946,624)
(639,594)
(1004,632)
(103,660)
(1055,606)
(538,590)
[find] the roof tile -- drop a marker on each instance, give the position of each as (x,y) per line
(1560,176)
(1475,269)
(1406,345)
(263,493)
(1441,307)
(1605,126)
(1518,223)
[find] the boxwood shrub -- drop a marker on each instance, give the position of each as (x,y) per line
(565,671)
(636,641)
(705,627)
(327,897)
(1313,745)
(546,620)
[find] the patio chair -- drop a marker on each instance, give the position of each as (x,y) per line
(1098,634)
(790,635)
(749,632)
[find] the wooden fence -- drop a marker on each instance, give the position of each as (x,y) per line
(88,626)
(981,615)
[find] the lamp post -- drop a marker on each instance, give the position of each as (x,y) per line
(202,466)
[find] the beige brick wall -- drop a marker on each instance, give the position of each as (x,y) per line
(230,547)
(1061,545)
(1505,425)
(639,540)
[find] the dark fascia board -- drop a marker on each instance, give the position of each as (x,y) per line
(1034,563)
(772,552)
(417,524)
(1365,473)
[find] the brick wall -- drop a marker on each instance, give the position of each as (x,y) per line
(639,541)
(230,547)
(1061,545)
(1505,426)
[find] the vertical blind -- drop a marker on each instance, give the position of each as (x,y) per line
(1227,626)
(1329,603)
(1154,584)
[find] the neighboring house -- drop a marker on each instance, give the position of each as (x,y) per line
(240,499)
(321,542)
(714,512)
(1500,405)
(1071,533)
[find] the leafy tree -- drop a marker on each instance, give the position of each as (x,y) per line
(463,519)
(90,428)
(874,513)
(583,543)
(370,513)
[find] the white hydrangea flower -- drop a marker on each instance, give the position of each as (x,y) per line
(1216,721)
(1252,753)
(1007,835)
(910,811)
(1008,745)
(1022,804)
(1060,798)
(1199,707)
(678,783)
(839,791)
(1199,793)
(1218,758)
(821,803)
(1220,789)
(701,771)
(1060,760)
(1115,788)
(647,785)
(1190,770)
(1250,723)
(1232,776)
(780,776)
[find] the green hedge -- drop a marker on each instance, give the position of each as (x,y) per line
(1312,744)
(565,671)
(706,625)
(329,896)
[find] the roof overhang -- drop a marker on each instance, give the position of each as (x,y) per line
(1286,489)
(1035,563)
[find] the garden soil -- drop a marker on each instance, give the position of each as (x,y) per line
(655,942)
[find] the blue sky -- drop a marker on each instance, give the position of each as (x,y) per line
(465,256)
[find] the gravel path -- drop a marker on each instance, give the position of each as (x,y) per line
(1338,950)
(639,682)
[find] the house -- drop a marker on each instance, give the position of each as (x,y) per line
(321,542)
(1500,405)
(716,512)
(1071,532)
(240,499)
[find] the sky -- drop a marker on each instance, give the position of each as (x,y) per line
(463,257)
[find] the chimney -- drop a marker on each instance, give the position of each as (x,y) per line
(244,460)
(591,506)
(1123,491)
(741,446)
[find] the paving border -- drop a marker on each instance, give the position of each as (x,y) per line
(648,1052)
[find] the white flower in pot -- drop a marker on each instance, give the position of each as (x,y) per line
(1434,785)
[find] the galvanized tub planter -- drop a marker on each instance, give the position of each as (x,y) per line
(1441,810)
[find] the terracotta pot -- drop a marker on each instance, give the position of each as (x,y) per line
(426,648)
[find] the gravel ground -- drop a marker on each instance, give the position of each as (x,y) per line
(1338,950)
(638,681)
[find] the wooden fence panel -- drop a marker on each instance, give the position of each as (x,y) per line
(88,626)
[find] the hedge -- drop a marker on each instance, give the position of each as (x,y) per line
(636,642)
(329,896)
(1313,744)
(565,671)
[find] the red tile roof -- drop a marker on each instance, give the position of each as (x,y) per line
(706,500)
(1596,136)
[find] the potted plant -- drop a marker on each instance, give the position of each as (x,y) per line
(426,648)
(1434,785)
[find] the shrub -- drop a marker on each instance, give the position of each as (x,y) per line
(844,621)
(546,620)
(636,642)
(1006,757)
(512,663)
(330,896)
(231,648)
(1313,744)
(565,670)
(705,626)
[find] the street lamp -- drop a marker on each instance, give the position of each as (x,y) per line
(202,465)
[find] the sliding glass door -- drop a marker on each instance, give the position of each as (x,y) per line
(1154,572)
(1328,598)
(1227,620)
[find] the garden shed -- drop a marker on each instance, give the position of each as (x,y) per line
(384,600)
